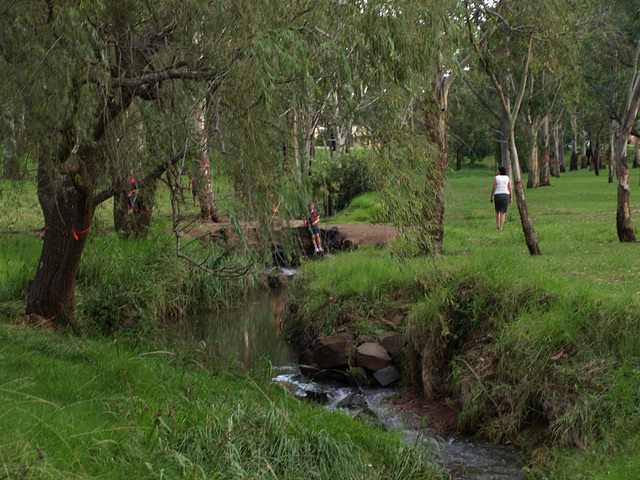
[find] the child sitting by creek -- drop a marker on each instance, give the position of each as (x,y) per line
(314,220)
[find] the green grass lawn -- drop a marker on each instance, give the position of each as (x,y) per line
(574,220)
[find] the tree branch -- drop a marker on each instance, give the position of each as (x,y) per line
(144,182)
(159,77)
(482,100)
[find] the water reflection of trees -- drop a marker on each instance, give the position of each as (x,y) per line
(249,333)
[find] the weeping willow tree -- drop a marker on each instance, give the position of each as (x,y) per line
(102,91)
(409,125)
(111,89)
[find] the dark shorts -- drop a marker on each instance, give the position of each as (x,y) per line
(315,229)
(501,201)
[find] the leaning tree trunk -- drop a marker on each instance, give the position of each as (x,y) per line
(68,214)
(545,153)
(527,227)
(636,153)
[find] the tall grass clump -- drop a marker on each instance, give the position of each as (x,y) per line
(137,284)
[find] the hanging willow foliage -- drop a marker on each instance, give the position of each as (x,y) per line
(411,184)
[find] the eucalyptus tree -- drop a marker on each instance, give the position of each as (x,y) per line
(501,76)
(534,120)
(614,85)
(624,225)
(625,125)
(523,45)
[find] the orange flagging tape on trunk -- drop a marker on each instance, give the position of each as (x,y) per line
(76,232)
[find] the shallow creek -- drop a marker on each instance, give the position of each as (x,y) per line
(251,335)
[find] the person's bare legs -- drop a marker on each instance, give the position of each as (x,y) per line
(317,241)
(498,220)
(501,217)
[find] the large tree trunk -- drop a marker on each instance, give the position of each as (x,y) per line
(545,153)
(68,208)
(68,214)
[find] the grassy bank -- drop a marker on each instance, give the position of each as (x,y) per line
(122,284)
(540,351)
(78,408)
(108,402)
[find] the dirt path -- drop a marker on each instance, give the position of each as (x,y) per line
(362,234)
(359,234)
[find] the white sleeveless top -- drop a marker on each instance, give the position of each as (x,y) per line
(502,182)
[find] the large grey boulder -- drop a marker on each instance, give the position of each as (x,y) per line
(333,351)
(372,356)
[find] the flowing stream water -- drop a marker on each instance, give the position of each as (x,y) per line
(251,335)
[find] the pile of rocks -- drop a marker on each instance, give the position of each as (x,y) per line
(354,360)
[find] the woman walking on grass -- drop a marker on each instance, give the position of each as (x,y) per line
(502,192)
